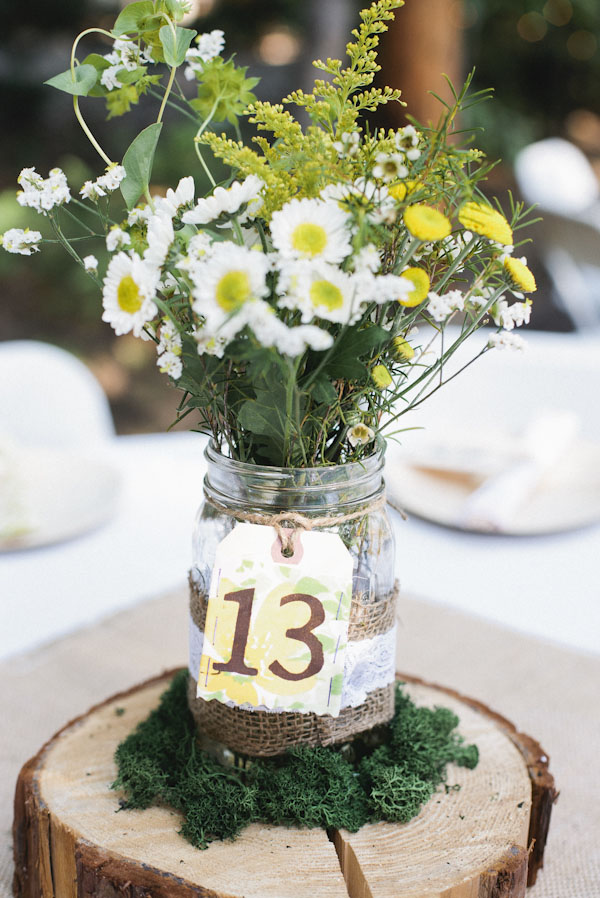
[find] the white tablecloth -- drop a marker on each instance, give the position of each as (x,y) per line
(545,586)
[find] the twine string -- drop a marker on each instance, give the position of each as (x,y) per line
(299,521)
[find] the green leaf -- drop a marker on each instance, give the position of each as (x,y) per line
(176,9)
(176,45)
(260,417)
(77,82)
(224,91)
(130,76)
(138,164)
(345,362)
(120,101)
(99,62)
(132,17)
(323,391)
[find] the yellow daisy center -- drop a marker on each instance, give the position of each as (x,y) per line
(309,239)
(381,376)
(128,295)
(426,223)
(403,349)
(520,275)
(421,284)
(487,222)
(324,293)
(233,290)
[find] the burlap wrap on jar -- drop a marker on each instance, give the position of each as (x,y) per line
(347,499)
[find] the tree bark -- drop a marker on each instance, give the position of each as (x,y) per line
(424,43)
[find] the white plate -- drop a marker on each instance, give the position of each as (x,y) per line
(62,495)
(567,498)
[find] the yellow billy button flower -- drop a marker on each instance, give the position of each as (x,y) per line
(487,222)
(426,223)
(398,191)
(381,377)
(233,290)
(421,284)
(520,275)
(403,349)
(402,189)
(128,295)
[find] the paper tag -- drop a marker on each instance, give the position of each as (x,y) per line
(276,628)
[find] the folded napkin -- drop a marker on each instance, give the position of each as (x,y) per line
(494,504)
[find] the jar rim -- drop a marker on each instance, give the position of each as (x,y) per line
(369,465)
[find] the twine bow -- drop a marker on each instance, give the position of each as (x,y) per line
(299,521)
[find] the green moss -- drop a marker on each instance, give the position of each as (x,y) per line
(387,775)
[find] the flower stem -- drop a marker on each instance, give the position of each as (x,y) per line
(78,114)
(88,133)
(166,96)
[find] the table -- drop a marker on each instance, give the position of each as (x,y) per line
(543,586)
(547,691)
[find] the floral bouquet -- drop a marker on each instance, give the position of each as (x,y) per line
(296,304)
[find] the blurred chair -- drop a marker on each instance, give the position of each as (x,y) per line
(556,176)
(49,398)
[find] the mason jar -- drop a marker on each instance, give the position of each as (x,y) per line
(348,500)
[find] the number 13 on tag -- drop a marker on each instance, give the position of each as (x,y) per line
(276,628)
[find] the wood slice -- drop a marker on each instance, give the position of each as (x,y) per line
(69,842)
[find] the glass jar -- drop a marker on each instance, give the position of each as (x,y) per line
(354,490)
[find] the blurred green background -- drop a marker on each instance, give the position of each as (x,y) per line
(541,57)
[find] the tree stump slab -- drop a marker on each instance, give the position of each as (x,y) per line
(473,842)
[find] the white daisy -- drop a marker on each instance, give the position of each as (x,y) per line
(90,263)
(226,202)
(23,242)
(160,236)
(269,330)
(128,294)
(231,277)
(319,291)
(117,239)
(311,229)
(183,195)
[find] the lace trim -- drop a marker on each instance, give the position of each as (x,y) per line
(370,664)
